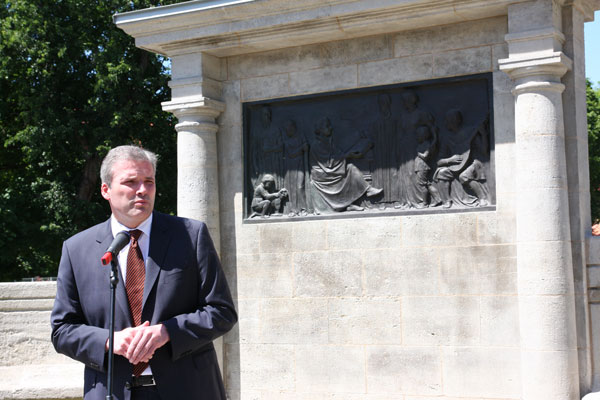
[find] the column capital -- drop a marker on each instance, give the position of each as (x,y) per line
(549,68)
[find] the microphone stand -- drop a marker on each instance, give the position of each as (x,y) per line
(114,280)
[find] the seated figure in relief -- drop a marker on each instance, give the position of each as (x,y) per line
(337,184)
(268,201)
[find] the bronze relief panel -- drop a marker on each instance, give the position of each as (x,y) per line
(399,149)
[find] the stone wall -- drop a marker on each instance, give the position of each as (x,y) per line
(372,308)
(29,366)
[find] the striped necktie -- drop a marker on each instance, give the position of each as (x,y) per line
(134,286)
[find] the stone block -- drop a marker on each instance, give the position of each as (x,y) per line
(593,250)
(439,230)
(47,381)
(335,369)
(323,79)
(265,87)
(482,372)
(232,116)
(264,275)
(496,228)
(450,37)
(462,62)
(328,274)
(260,367)
(396,70)
(27,290)
(302,58)
(275,238)
(247,329)
(244,238)
(25,339)
(432,321)
(594,276)
(478,270)
(365,321)
(532,15)
(364,233)
(401,272)
(309,236)
(397,369)
(500,321)
(294,321)
(499,52)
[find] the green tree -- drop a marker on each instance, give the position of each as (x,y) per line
(73,86)
(593,121)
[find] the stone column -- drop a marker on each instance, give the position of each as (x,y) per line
(196,86)
(197,162)
(536,64)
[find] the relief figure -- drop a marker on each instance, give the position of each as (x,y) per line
(384,134)
(269,150)
(412,117)
(461,167)
(425,192)
(338,185)
(295,150)
(267,200)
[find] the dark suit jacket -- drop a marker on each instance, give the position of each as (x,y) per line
(185,289)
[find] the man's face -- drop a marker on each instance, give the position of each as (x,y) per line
(131,192)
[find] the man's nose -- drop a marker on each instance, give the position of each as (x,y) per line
(142,189)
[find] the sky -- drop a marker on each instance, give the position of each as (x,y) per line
(592,50)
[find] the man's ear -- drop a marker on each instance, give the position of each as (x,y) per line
(105,191)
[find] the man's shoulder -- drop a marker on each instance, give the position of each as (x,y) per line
(175,222)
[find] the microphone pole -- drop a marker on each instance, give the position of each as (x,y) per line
(120,241)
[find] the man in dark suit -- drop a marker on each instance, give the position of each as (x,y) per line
(163,340)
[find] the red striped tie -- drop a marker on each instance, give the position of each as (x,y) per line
(134,285)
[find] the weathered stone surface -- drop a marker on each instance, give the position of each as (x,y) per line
(401,272)
(445,321)
(336,369)
(473,372)
(290,321)
(328,274)
(397,369)
(365,321)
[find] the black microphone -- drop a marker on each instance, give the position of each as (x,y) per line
(121,240)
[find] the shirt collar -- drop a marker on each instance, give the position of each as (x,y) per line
(116,226)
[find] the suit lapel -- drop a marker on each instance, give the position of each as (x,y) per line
(104,240)
(159,242)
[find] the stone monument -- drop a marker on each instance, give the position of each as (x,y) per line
(431,241)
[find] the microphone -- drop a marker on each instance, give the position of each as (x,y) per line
(120,241)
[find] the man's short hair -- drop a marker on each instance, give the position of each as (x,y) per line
(121,153)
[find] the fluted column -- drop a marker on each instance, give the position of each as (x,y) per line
(536,64)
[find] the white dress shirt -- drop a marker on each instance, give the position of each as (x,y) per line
(143,243)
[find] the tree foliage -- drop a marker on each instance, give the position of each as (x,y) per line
(593,120)
(73,86)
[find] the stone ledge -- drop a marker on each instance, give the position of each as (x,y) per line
(24,290)
(51,381)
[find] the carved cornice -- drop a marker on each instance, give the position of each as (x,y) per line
(225,28)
